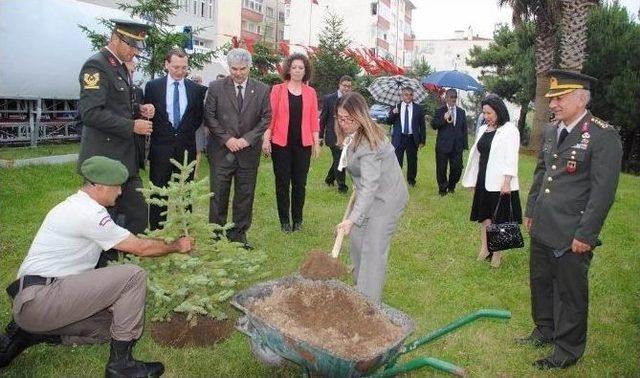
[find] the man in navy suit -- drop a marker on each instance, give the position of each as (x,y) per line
(409,132)
(451,123)
(328,132)
(180,103)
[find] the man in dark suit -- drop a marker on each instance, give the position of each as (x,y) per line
(179,103)
(237,113)
(328,132)
(409,132)
(111,120)
(451,123)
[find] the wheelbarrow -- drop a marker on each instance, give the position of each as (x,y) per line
(272,346)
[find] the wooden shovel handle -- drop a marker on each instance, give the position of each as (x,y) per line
(340,236)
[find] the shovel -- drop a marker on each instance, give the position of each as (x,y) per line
(321,265)
(337,245)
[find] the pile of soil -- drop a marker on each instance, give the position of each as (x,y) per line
(178,332)
(319,265)
(332,318)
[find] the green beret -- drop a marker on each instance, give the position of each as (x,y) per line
(105,171)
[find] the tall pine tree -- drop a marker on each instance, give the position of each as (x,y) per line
(330,61)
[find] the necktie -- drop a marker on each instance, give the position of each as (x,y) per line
(176,105)
(239,97)
(405,129)
(563,135)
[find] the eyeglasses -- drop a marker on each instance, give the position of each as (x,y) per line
(346,120)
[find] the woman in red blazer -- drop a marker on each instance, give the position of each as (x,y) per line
(292,138)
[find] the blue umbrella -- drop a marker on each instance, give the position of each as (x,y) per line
(454,79)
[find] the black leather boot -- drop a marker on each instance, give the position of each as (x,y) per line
(122,364)
(16,340)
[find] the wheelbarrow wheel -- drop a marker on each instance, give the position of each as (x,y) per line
(266,354)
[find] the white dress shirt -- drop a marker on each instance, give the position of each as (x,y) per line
(403,106)
(570,127)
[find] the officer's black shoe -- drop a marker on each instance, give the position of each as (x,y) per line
(285,227)
(16,340)
(548,363)
(297,226)
(533,340)
(343,189)
(122,364)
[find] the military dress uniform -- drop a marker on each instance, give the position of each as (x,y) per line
(107,109)
(573,188)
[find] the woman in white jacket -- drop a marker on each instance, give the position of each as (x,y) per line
(492,170)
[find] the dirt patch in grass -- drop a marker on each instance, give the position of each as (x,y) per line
(335,319)
(319,265)
(178,332)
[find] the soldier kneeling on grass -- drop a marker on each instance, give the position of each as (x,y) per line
(60,298)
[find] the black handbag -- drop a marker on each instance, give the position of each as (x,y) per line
(503,236)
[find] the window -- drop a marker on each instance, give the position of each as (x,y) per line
(374,9)
(270,12)
(211,9)
(280,35)
(195,6)
(281,16)
(254,5)
(202,8)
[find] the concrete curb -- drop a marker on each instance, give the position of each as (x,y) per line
(44,160)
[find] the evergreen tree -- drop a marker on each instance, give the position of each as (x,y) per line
(510,72)
(201,283)
(330,62)
(160,38)
(265,62)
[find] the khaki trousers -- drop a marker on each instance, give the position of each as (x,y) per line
(89,307)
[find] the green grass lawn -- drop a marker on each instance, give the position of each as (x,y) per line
(14,153)
(432,275)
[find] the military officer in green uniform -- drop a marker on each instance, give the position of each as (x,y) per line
(110,120)
(574,185)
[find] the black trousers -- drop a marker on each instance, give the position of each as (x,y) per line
(408,145)
(290,168)
(130,210)
(160,171)
(334,174)
(454,161)
(560,299)
(223,173)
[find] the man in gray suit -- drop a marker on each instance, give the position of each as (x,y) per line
(237,113)
(574,185)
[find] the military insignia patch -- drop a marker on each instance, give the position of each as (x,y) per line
(602,124)
(571,166)
(91,81)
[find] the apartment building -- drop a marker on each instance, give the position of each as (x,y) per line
(263,20)
(381,25)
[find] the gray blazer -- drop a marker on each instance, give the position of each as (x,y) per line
(225,120)
(377,177)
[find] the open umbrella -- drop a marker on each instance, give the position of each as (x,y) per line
(453,79)
(388,89)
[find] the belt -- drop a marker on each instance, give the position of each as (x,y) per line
(27,281)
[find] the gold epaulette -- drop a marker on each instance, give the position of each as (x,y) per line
(602,124)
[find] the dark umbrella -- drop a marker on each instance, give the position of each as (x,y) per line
(454,79)
(388,89)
